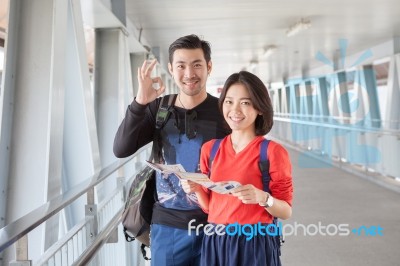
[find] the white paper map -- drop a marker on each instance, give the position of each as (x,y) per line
(199,178)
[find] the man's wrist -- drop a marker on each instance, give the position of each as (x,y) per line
(139,101)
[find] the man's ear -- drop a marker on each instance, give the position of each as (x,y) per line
(170,69)
(209,67)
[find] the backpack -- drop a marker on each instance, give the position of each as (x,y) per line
(263,164)
(138,211)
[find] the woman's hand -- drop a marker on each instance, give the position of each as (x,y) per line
(249,194)
(201,194)
(189,186)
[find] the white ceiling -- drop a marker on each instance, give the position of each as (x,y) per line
(240,30)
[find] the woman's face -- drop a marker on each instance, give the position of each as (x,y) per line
(238,109)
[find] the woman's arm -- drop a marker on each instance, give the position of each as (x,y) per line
(280,185)
(249,194)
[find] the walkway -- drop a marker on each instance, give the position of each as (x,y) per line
(332,196)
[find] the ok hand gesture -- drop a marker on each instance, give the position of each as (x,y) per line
(146,92)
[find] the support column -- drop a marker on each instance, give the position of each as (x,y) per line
(396,45)
(33,110)
(81,157)
(113,91)
(371,87)
(136,61)
(7,107)
(119,10)
(323,93)
(393,95)
(342,97)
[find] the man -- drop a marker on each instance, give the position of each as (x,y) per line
(194,119)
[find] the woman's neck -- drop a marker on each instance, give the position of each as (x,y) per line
(241,139)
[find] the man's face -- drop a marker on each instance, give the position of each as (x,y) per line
(190,70)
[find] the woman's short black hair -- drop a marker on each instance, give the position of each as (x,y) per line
(259,97)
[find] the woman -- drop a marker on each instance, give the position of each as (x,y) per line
(247,109)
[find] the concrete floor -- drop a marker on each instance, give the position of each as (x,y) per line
(330,196)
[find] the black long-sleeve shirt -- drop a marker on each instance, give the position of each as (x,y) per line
(137,129)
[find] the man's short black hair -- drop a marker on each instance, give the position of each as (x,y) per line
(190,42)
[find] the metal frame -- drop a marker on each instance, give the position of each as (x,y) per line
(20,228)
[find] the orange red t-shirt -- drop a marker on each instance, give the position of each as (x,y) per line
(243,167)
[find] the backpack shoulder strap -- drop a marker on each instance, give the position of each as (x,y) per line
(264,168)
(214,150)
(164,108)
(263,164)
(162,116)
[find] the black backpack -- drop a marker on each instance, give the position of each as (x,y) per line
(136,217)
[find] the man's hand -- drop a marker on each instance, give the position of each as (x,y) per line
(147,92)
